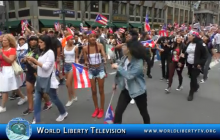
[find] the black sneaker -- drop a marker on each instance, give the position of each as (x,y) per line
(149,76)
(28,111)
(14,97)
(47,107)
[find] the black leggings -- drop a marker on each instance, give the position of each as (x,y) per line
(124,100)
(172,67)
(193,73)
(165,65)
(118,53)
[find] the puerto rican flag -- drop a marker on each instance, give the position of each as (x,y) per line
(163,33)
(80,76)
(24,23)
(70,31)
(150,43)
(109,116)
(101,19)
(146,24)
(57,26)
(121,30)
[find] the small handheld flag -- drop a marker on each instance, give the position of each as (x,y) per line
(101,19)
(109,115)
(147,25)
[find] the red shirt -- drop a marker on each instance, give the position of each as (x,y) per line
(11,51)
(176,54)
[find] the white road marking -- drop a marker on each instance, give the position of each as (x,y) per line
(112,73)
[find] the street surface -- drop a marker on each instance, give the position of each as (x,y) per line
(163,108)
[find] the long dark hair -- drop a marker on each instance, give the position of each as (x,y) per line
(136,49)
(48,44)
(54,44)
(96,48)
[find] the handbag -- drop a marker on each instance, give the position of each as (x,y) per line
(17,67)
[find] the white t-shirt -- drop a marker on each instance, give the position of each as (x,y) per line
(217,38)
(191,53)
(126,68)
(48,61)
(21,49)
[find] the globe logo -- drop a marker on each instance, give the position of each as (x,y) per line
(18,129)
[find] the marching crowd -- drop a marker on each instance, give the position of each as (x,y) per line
(46,59)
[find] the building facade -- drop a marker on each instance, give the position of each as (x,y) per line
(208,12)
(178,11)
(120,14)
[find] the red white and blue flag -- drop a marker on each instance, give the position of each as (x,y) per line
(150,43)
(70,31)
(163,33)
(57,26)
(24,23)
(110,115)
(80,76)
(147,25)
(101,19)
(121,30)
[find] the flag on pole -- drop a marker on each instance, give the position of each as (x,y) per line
(24,23)
(83,29)
(80,76)
(109,115)
(101,19)
(147,25)
(57,26)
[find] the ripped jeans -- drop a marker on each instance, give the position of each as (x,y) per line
(97,72)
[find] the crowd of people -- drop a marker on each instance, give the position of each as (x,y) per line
(47,57)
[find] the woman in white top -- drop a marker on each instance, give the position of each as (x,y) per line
(70,58)
(93,54)
(46,79)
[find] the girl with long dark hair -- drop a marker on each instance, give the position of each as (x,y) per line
(46,81)
(176,62)
(130,79)
(195,58)
(93,54)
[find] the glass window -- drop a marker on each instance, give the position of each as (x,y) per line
(105,5)
(48,4)
(79,5)
(94,6)
(68,4)
(48,13)
(115,7)
(131,9)
(155,12)
(149,11)
(123,8)
(138,10)
(205,6)
(24,13)
(86,5)
(160,13)
(11,5)
(22,4)
(144,11)
(11,15)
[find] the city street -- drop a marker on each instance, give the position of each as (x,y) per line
(163,108)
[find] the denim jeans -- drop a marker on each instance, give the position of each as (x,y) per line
(206,67)
(54,98)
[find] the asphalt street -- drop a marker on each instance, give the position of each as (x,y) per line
(163,108)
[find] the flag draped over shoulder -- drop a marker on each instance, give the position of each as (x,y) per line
(81,76)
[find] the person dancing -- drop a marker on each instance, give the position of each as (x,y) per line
(130,79)
(177,63)
(93,54)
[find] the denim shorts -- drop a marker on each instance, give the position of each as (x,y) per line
(98,72)
(68,67)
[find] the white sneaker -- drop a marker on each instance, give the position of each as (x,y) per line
(22,101)
(69,103)
(62,117)
(202,81)
(34,121)
(2,109)
(132,101)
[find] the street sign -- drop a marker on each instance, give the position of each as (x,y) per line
(57,12)
(1,3)
(70,12)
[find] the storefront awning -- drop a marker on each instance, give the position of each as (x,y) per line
(136,25)
(120,25)
(13,24)
(94,24)
(50,23)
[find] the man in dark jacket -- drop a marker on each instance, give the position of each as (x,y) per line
(148,59)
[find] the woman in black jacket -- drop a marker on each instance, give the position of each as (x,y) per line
(176,62)
(195,58)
